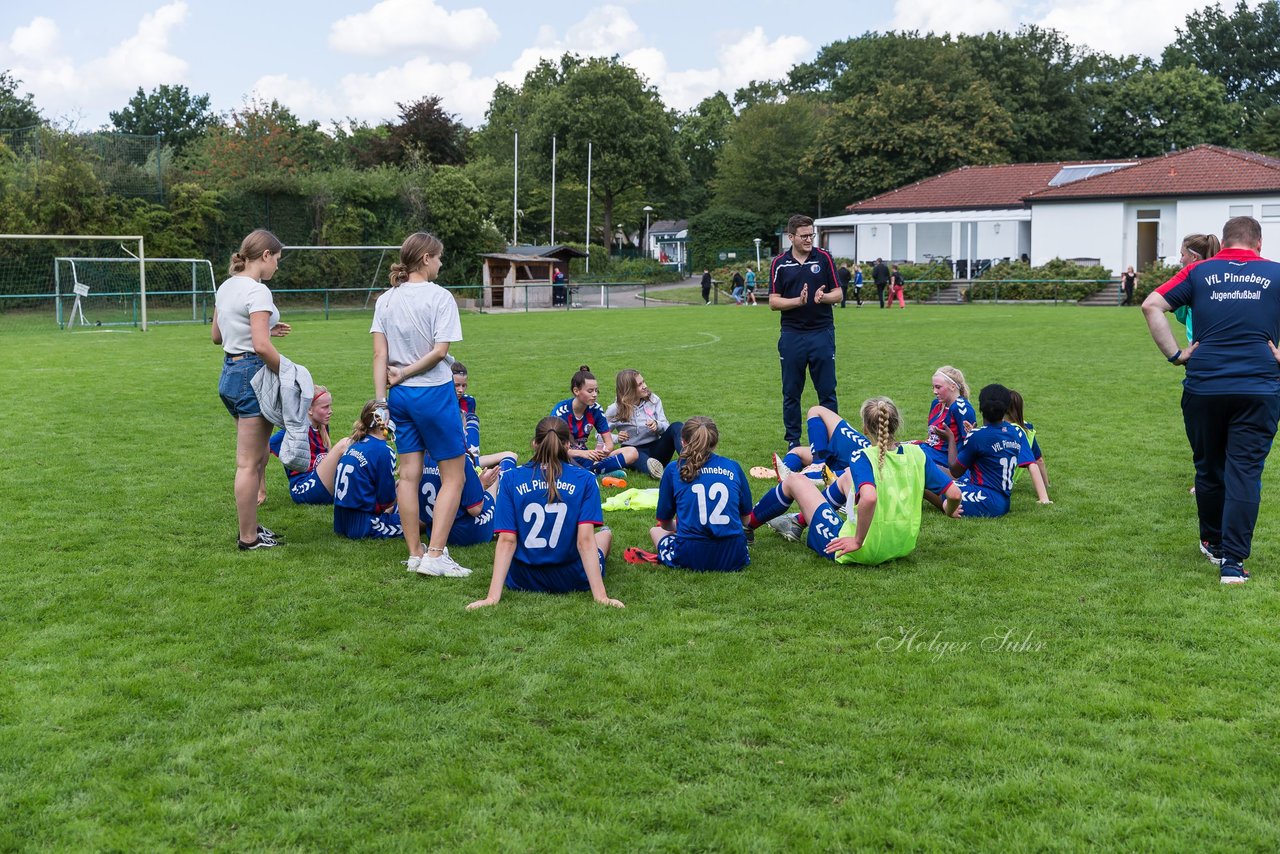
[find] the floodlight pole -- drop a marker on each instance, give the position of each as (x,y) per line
(648,209)
(515,190)
(553,191)
(588,241)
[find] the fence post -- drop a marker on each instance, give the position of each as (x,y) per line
(326,303)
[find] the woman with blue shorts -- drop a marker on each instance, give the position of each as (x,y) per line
(245,319)
(414,322)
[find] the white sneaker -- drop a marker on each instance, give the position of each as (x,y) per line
(442,565)
(787,527)
(412,563)
(655,468)
(780,468)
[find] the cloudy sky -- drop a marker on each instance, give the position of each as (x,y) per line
(331,59)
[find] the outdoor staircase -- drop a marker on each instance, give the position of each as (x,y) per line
(950,295)
(1110,295)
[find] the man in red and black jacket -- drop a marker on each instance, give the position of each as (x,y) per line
(1231,394)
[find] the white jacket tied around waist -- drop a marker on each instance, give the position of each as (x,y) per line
(284,399)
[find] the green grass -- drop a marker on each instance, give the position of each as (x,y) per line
(160,690)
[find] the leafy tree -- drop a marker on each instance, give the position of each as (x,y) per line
(758,92)
(700,135)
(427,130)
(719,228)
(1240,48)
(1037,77)
(1264,136)
(454,212)
(16,111)
(170,111)
(761,170)
(859,66)
(265,142)
(1151,112)
(904,132)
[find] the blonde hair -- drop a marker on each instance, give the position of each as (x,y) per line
(956,378)
(551,452)
(882,421)
(700,438)
(254,244)
(323,429)
(1202,245)
(367,422)
(628,393)
(417,247)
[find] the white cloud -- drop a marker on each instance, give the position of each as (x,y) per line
(394,25)
(1122,26)
(945,16)
(35,55)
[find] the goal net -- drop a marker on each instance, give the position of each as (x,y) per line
(33,297)
(107,291)
(332,278)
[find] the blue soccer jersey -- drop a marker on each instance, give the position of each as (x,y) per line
(991,455)
(318,451)
(547,534)
(472,490)
(580,425)
(953,417)
(366,477)
(712,506)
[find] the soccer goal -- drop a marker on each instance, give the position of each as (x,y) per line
(332,278)
(31,294)
(110,290)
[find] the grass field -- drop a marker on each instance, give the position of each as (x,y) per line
(1073,676)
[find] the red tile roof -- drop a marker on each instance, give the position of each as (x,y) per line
(1202,170)
(968,188)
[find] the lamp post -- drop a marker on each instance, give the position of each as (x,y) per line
(621,235)
(648,209)
(757,255)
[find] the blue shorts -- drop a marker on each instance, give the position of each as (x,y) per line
(234,386)
(842,445)
(471,530)
(980,501)
(937,457)
(723,555)
(823,530)
(567,578)
(308,489)
(427,420)
(359,525)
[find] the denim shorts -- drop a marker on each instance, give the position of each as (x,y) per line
(234,386)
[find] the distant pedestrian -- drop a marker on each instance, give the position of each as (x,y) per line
(896,286)
(739,284)
(706,286)
(1127,280)
(751,285)
(844,277)
(857,284)
(880,275)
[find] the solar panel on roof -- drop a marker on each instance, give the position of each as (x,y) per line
(1071,174)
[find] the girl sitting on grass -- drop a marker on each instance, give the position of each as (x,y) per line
(989,457)
(882,501)
(638,419)
(1014,416)
(364,490)
(547,515)
(950,409)
(703,502)
(314,485)
(581,413)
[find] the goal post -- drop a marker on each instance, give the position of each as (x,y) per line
(332,278)
(28,277)
(178,290)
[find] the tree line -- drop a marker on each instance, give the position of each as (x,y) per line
(867,114)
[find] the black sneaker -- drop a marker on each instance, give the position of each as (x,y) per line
(750,534)
(260,543)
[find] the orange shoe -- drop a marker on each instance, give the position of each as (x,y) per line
(614,483)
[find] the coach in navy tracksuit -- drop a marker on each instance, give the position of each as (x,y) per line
(1231,395)
(803,286)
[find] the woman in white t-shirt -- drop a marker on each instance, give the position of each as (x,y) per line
(413,325)
(245,320)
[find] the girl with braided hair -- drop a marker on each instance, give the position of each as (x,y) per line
(546,519)
(364,485)
(703,501)
(881,490)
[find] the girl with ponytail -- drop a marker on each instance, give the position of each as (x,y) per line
(364,486)
(703,501)
(582,413)
(245,319)
(881,524)
(546,519)
(414,322)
